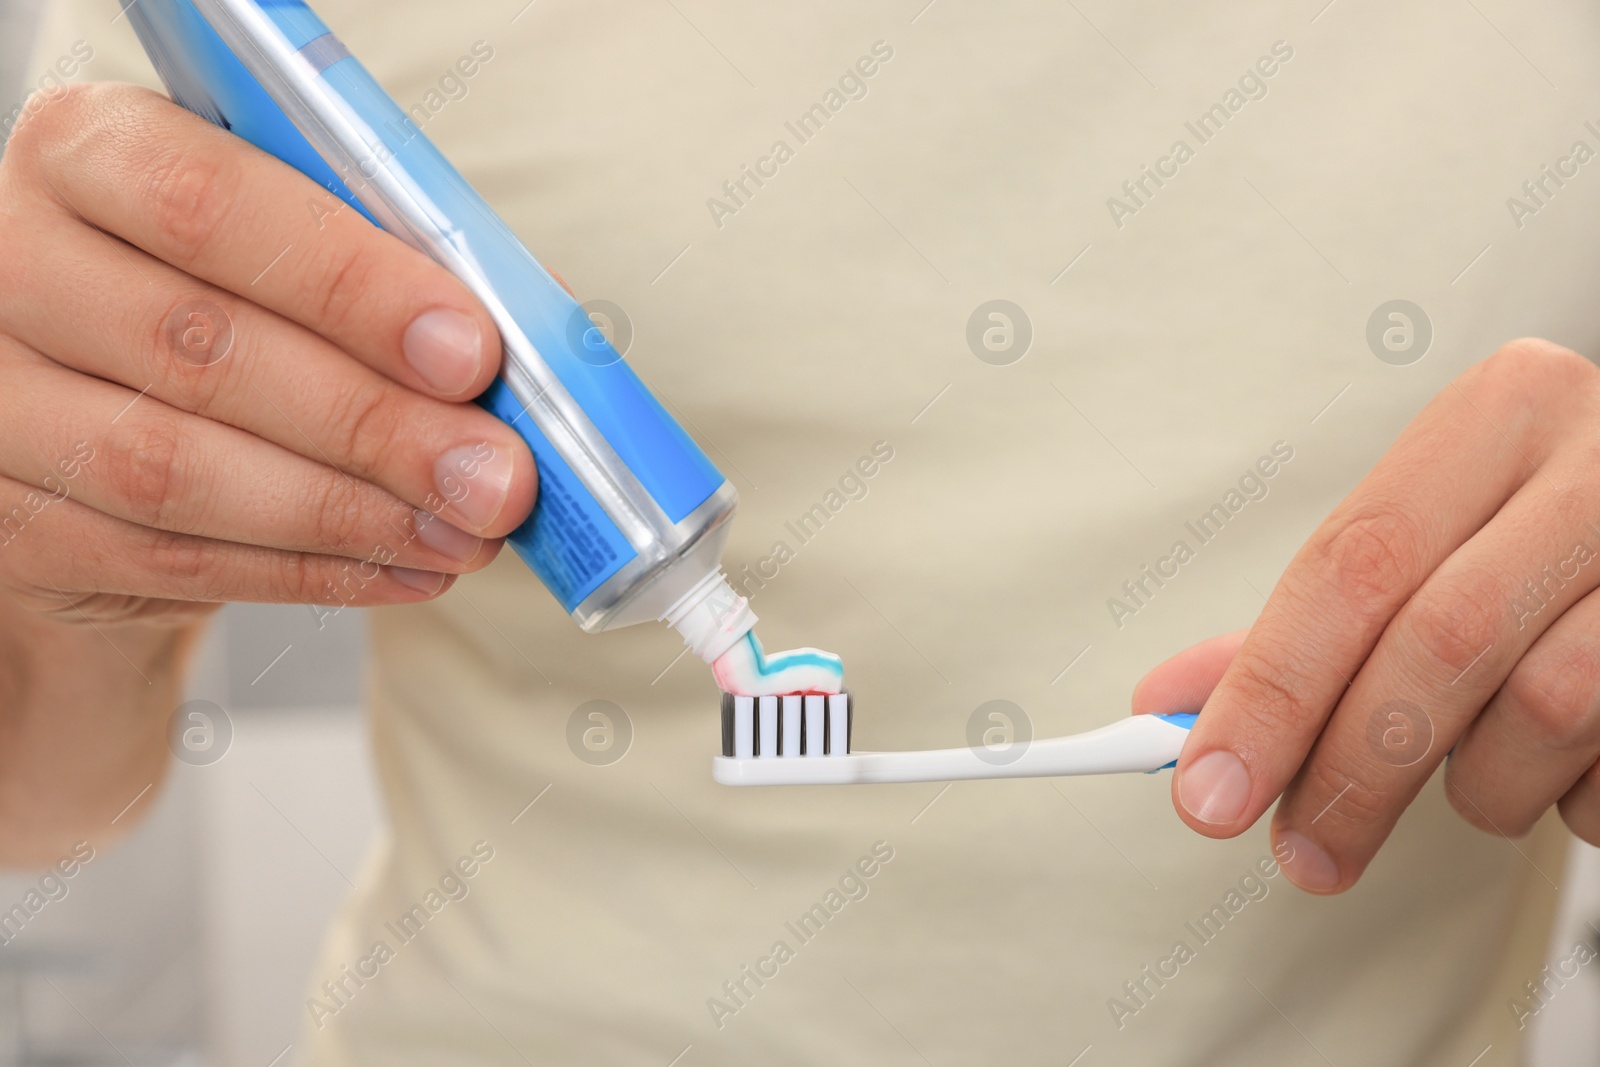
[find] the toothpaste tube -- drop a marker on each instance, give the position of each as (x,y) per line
(632,516)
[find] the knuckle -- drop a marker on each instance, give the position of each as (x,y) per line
(190,561)
(1525,394)
(1570,506)
(290,578)
(336,582)
(1330,793)
(1556,696)
(144,469)
(1535,358)
(1524,376)
(1269,696)
(166,354)
(1457,626)
(186,194)
(341,288)
(1529,393)
(340,515)
(364,425)
(1371,555)
(303,577)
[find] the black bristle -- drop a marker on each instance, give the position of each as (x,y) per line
(805,739)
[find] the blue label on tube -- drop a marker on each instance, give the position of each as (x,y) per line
(667,462)
(569,542)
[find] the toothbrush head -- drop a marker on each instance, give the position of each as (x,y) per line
(793,724)
(804,739)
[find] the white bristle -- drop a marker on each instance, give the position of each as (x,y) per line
(791,726)
(744,727)
(816,725)
(769,726)
(838,724)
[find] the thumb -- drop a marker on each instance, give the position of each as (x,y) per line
(1183,682)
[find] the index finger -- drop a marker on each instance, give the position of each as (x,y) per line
(134,164)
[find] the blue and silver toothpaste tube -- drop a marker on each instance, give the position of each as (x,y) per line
(631,516)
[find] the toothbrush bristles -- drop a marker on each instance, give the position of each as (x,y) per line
(788,725)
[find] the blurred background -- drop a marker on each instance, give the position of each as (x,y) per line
(190,942)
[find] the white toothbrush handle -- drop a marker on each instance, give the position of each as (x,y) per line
(1137,743)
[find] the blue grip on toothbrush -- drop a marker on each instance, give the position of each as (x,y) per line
(1184,719)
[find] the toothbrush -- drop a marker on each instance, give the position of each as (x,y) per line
(804,739)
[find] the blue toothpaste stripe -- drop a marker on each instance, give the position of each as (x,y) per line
(784,660)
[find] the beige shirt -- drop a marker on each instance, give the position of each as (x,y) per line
(1180,330)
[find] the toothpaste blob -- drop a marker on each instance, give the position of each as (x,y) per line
(745,670)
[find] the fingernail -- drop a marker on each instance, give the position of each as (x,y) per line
(425,582)
(1215,788)
(445,539)
(445,347)
(1306,864)
(475,479)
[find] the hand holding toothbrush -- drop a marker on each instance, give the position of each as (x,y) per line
(1446,608)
